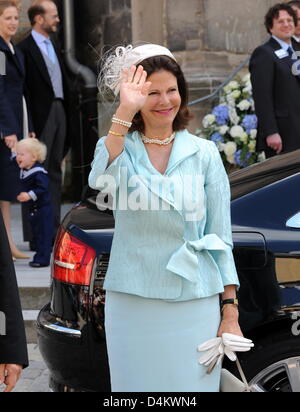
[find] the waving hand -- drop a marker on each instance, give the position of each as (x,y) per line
(134,88)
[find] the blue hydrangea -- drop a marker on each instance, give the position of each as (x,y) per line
(241,160)
(222,114)
(249,122)
(217,138)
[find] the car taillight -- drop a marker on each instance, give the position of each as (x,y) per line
(73,260)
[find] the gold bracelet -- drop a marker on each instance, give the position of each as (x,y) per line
(116,134)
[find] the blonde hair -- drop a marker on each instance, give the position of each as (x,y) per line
(34,146)
(5,4)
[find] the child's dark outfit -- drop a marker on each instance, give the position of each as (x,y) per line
(35,182)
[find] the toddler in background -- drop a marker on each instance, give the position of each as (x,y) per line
(30,154)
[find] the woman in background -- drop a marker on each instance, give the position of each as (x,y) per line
(13,113)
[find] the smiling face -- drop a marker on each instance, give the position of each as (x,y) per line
(283,26)
(162,105)
(9,23)
(25,158)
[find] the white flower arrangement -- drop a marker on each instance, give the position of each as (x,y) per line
(209,120)
(232,125)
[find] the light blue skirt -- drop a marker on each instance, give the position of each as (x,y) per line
(152,344)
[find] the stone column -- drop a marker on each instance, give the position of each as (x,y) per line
(148,21)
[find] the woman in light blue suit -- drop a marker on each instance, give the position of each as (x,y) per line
(171,257)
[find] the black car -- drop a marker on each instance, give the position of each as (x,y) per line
(266,234)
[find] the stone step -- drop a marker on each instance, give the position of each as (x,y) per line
(34,298)
(30,317)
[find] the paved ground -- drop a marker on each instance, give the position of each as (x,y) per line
(35,377)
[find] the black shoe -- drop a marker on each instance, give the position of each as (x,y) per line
(37,265)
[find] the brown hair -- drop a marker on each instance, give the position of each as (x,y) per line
(273,14)
(294,3)
(37,9)
(155,64)
(5,4)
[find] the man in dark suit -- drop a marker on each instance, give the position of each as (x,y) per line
(13,349)
(276,90)
(47,91)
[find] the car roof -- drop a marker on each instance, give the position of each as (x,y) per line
(262,174)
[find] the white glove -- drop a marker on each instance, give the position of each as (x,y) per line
(214,353)
(216,348)
(213,349)
(233,343)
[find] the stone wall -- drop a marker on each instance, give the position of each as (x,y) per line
(235,26)
(184,24)
(219,25)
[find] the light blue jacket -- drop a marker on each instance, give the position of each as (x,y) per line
(170,253)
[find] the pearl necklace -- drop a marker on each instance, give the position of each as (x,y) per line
(158,141)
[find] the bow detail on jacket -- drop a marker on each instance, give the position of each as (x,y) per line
(184,262)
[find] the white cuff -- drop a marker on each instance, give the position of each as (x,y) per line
(33,195)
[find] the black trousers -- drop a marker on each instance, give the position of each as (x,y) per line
(54,136)
(41,221)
